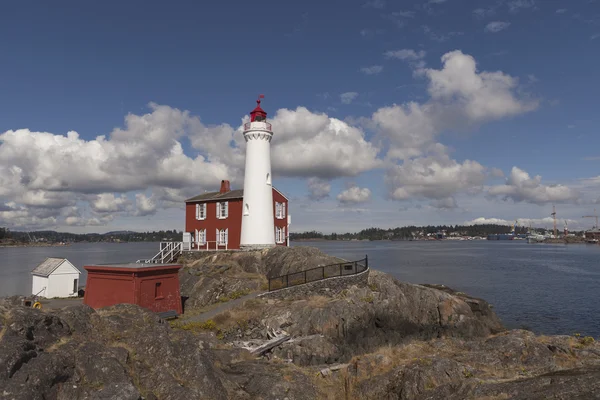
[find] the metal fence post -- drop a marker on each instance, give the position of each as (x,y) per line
(366,261)
(355,267)
(340,269)
(323,272)
(269,279)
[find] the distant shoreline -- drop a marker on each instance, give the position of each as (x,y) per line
(34,244)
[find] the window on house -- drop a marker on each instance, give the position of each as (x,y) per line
(201,236)
(279,235)
(222,236)
(279,210)
(222,210)
(158,290)
(75,285)
(200,211)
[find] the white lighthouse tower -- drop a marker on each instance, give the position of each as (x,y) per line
(257,215)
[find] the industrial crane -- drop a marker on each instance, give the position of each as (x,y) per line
(593,216)
(554,216)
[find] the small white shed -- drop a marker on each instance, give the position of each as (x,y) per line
(55,277)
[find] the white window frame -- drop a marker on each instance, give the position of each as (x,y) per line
(222,236)
(201,236)
(279,210)
(200,211)
(222,210)
(279,234)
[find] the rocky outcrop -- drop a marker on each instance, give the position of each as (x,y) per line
(359,319)
(515,364)
(125,352)
(212,277)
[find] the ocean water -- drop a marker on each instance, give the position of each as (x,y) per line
(550,289)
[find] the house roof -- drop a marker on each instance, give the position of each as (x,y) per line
(232,194)
(49,265)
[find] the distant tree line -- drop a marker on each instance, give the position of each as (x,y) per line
(4,233)
(412,232)
(66,237)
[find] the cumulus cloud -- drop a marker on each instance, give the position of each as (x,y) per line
(496,26)
(461,97)
(534,222)
(354,195)
(318,188)
(143,167)
(372,70)
(520,187)
(447,203)
(405,54)
(434,177)
(348,97)
(309,144)
(44,173)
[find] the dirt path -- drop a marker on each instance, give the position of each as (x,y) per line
(220,308)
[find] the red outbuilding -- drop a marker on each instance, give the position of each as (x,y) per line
(152,286)
(213,220)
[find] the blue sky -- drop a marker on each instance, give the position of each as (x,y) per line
(91,68)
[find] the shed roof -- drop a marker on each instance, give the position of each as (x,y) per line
(49,265)
(232,194)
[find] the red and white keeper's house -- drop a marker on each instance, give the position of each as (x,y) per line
(253,218)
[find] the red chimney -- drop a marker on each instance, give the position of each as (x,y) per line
(225,187)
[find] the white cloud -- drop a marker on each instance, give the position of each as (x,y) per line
(461,97)
(144,205)
(372,70)
(447,203)
(496,26)
(308,144)
(561,11)
(526,222)
(318,188)
(496,173)
(44,173)
(434,177)
(348,97)
(354,195)
(520,187)
(517,5)
(405,54)
(109,203)
(484,12)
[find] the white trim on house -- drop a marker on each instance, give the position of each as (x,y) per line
(200,211)
(222,209)
(279,234)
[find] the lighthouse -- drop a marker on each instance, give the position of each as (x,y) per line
(257,208)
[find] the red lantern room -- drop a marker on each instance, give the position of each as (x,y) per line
(258,114)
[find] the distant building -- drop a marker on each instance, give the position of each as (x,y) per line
(593,234)
(214,220)
(55,277)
